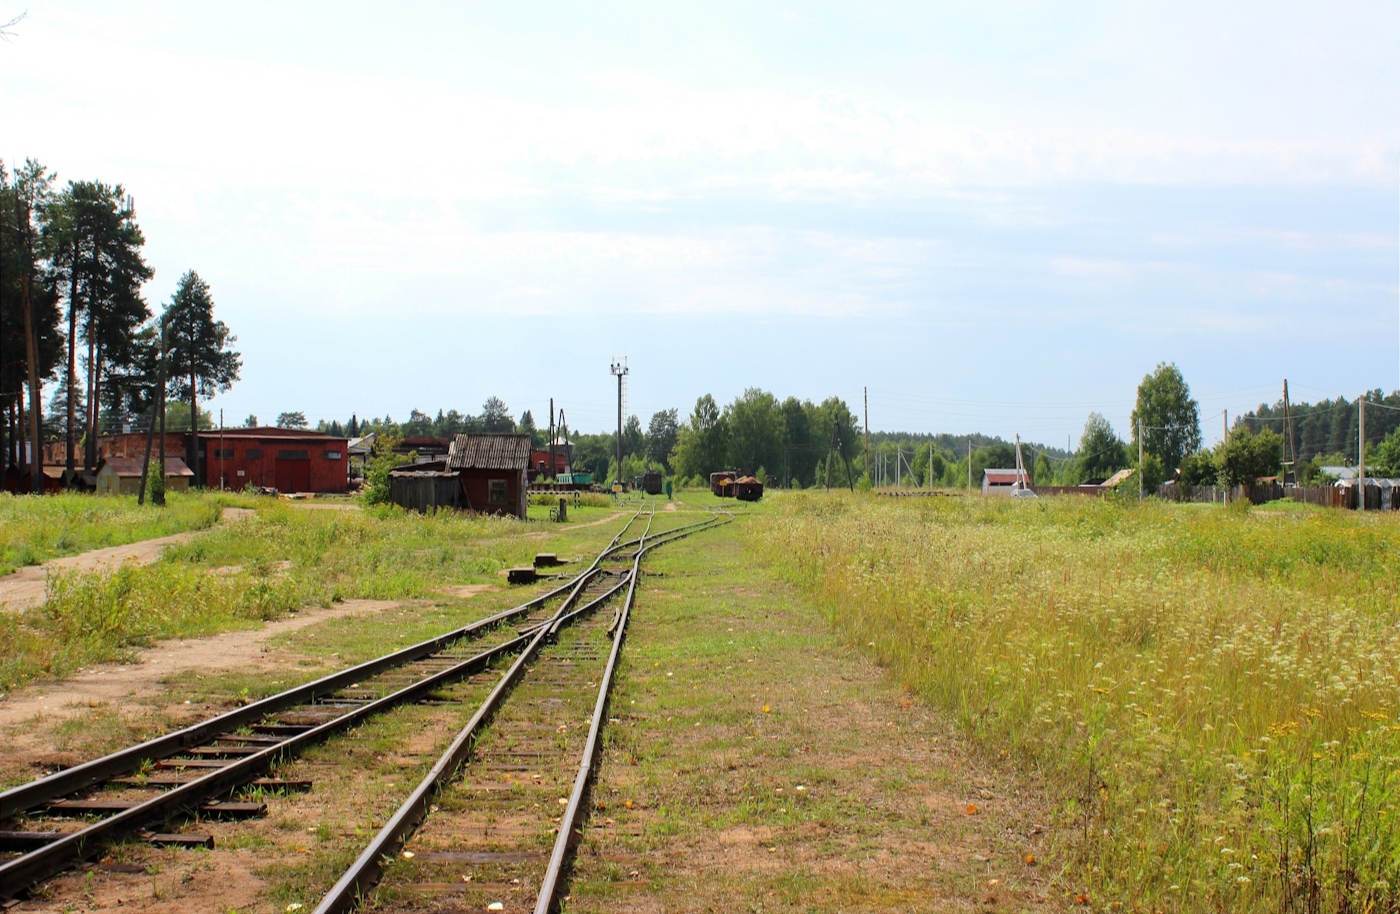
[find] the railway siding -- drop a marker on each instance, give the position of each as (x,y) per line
(844,794)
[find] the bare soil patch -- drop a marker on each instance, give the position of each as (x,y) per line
(141,680)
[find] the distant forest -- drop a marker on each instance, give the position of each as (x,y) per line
(1327,430)
(787,442)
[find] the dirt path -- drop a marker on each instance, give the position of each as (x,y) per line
(131,682)
(26,588)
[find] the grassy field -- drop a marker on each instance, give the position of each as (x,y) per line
(34,530)
(243,573)
(1210,695)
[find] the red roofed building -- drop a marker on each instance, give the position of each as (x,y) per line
(286,459)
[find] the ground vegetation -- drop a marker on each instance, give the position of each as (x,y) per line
(1208,693)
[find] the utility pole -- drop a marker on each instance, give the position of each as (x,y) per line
(620,370)
(221,448)
(551,438)
(1290,449)
(158,496)
(969,463)
(865,393)
(1141,468)
(1361,456)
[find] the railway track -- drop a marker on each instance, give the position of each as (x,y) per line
(61,820)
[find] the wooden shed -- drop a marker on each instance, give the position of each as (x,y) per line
(425,490)
(122,475)
(493,470)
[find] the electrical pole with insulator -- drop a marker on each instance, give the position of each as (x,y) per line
(619,368)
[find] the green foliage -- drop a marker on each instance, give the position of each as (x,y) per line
(1244,457)
(1101,452)
(527,425)
(177,417)
(1312,474)
(756,430)
(295,419)
(1170,418)
(661,436)
(382,460)
(155,482)
(1153,473)
(1330,427)
(1198,469)
(495,416)
(1384,461)
(702,445)
(201,362)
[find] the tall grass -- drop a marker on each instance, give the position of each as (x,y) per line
(1211,695)
(34,529)
(250,570)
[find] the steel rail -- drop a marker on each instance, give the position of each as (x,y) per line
(554,875)
(36,793)
(365,871)
(20,873)
(349,891)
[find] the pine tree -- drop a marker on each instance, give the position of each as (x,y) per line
(201,361)
(27,290)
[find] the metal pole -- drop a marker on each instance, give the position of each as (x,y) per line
(969,463)
(619,428)
(221,449)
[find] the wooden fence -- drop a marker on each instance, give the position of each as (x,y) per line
(425,491)
(1377,498)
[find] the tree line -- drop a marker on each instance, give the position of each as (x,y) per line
(792,442)
(72,313)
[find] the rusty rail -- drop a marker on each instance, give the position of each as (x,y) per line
(350,890)
(53,856)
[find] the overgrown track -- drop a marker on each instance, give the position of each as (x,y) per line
(195,770)
(542,743)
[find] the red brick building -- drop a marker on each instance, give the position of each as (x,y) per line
(539,462)
(285,459)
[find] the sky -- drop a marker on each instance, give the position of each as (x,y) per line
(994,217)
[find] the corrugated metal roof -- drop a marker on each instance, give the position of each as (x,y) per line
(265,431)
(497,451)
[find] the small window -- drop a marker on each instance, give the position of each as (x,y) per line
(223,452)
(254,453)
(293,455)
(332,455)
(497,492)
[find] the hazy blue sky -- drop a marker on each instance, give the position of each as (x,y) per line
(996,216)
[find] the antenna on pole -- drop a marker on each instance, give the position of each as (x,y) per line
(619,369)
